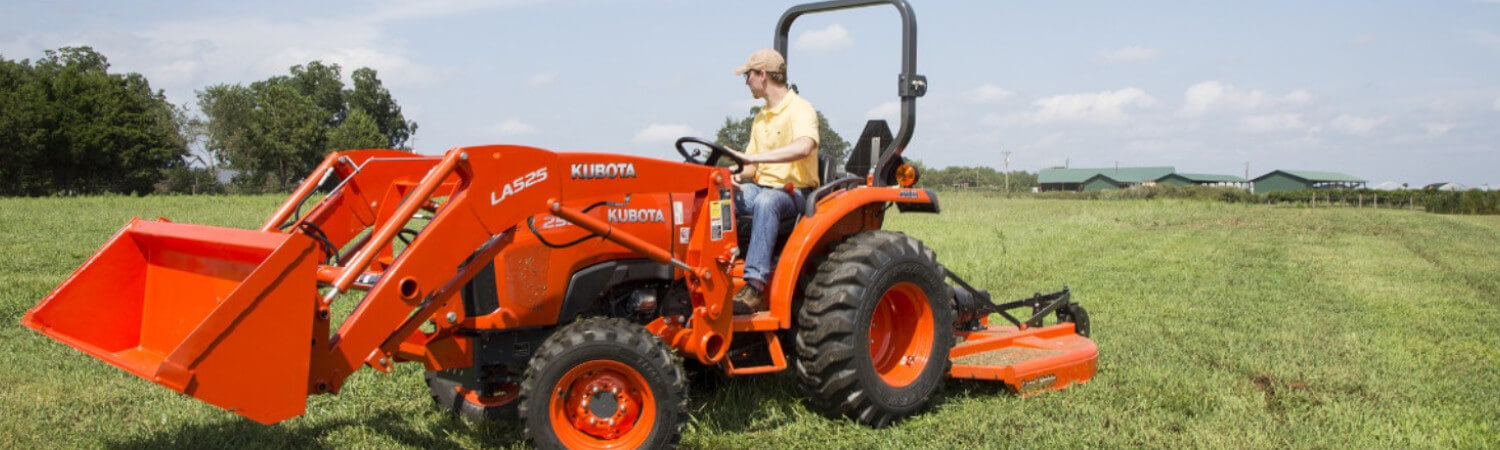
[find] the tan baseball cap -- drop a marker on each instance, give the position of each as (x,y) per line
(764,59)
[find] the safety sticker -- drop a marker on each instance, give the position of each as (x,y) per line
(676,213)
(683,234)
(718,216)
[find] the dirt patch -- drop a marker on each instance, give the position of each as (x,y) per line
(1265,384)
(1279,396)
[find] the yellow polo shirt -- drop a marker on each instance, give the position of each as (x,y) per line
(777,126)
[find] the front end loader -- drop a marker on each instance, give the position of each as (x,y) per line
(564,290)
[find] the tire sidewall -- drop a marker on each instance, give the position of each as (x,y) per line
(918,271)
(540,406)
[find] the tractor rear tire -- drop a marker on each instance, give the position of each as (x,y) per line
(875,329)
(449,396)
(604,383)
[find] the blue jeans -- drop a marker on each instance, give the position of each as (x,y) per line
(766,206)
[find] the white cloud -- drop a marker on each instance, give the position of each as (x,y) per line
(1298,97)
(1438,128)
(1047,141)
(1355,125)
(396,11)
(663,133)
(181,55)
(540,79)
(511,127)
(988,93)
(1210,96)
(1105,107)
(185,55)
(1271,123)
(888,111)
(1131,54)
(1497,103)
(833,38)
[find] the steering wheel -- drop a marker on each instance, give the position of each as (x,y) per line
(715,151)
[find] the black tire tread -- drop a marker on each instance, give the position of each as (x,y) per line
(632,337)
(825,364)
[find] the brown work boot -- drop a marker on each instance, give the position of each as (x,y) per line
(749,300)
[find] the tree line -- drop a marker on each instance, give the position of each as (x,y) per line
(70,126)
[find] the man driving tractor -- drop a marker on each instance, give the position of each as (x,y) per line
(782,152)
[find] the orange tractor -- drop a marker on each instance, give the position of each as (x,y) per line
(564,288)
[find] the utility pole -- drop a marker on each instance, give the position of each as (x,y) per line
(1007,171)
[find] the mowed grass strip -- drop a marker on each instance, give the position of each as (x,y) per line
(1219,325)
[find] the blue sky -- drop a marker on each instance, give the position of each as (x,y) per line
(1401,91)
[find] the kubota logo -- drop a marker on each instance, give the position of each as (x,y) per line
(602,170)
(520,183)
(637,216)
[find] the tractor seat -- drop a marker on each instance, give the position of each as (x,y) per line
(743,222)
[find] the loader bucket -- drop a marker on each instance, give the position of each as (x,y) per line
(221,314)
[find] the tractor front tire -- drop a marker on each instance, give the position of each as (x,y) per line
(874,331)
(604,383)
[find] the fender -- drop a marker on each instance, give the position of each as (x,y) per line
(842,214)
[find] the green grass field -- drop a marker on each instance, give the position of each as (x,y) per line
(1219,325)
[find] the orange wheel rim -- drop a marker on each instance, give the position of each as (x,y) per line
(602,404)
(901,334)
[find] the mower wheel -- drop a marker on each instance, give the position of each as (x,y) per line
(1076,314)
(449,395)
(604,383)
(874,331)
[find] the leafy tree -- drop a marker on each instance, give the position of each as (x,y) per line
(67,125)
(323,85)
(357,132)
(370,96)
(735,134)
(830,143)
(274,131)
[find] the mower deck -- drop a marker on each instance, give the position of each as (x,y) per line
(1027,360)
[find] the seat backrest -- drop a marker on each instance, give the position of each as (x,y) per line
(877,135)
(827,171)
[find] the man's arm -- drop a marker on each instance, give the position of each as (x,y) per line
(797,149)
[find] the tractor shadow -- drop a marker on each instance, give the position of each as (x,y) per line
(720,403)
(418,431)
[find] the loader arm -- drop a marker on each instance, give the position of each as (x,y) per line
(468,230)
(235,317)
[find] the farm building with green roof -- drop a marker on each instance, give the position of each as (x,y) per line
(1096,179)
(1296,180)
(1203,179)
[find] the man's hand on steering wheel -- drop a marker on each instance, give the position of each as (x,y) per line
(715,152)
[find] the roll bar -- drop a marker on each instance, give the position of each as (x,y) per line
(909,84)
